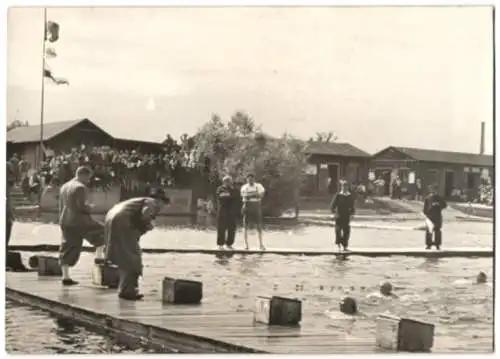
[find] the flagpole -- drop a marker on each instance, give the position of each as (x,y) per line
(40,152)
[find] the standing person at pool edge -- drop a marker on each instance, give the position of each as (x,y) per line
(77,223)
(252,193)
(434,205)
(227,204)
(9,211)
(124,225)
(342,206)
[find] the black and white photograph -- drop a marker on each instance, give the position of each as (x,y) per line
(280,179)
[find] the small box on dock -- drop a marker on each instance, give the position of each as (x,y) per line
(14,262)
(181,291)
(105,274)
(278,311)
(49,266)
(402,334)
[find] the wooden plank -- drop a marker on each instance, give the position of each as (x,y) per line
(199,328)
(365,252)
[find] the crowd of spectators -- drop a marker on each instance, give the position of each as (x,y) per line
(110,166)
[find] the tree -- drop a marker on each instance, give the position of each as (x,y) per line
(241,147)
(17,123)
(324,137)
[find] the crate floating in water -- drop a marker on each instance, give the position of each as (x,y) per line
(278,311)
(48,266)
(105,274)
(402,334)
(181,291)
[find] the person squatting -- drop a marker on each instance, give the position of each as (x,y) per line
(342,206)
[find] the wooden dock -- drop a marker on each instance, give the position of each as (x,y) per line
(364,252)
(174,328)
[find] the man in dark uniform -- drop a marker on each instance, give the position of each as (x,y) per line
(76,223)
(227,207)
(342,206)
(433,208)
(124,225)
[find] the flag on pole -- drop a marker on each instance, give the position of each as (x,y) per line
(51,36)
(52,31)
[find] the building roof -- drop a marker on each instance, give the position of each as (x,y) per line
(460,158)
(335,149)
(129,140)
(32,133)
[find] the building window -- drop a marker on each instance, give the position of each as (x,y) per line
(470,180)
(403,175)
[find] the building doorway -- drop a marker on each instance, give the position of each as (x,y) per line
(333,172)
(449,182)
(386,176)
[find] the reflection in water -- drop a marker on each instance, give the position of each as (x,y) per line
(342,264)
(48,335)
(65,326)
(431,262)
(223,258)
(248,264)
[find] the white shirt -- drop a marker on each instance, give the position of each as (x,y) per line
(252,193)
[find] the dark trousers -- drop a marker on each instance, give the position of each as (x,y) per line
(342,232)
(129,283)
(437,237)
(226,231)
(71,246)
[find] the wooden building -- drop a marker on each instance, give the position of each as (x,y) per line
(447,170)
(63,136)
(57,136)
(329,162)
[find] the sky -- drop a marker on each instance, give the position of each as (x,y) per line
(402,76)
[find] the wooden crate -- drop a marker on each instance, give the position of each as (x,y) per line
(278,311)
(105,275)
(181,291)
(49,266)
(403,334)
(14,261)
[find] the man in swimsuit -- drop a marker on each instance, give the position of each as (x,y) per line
(252,193)
(124,225)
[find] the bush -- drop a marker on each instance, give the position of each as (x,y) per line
(240,147)
(486,194)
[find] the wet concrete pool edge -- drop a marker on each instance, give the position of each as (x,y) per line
(471,252)
(128,332)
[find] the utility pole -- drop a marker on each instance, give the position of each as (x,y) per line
(42,97)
